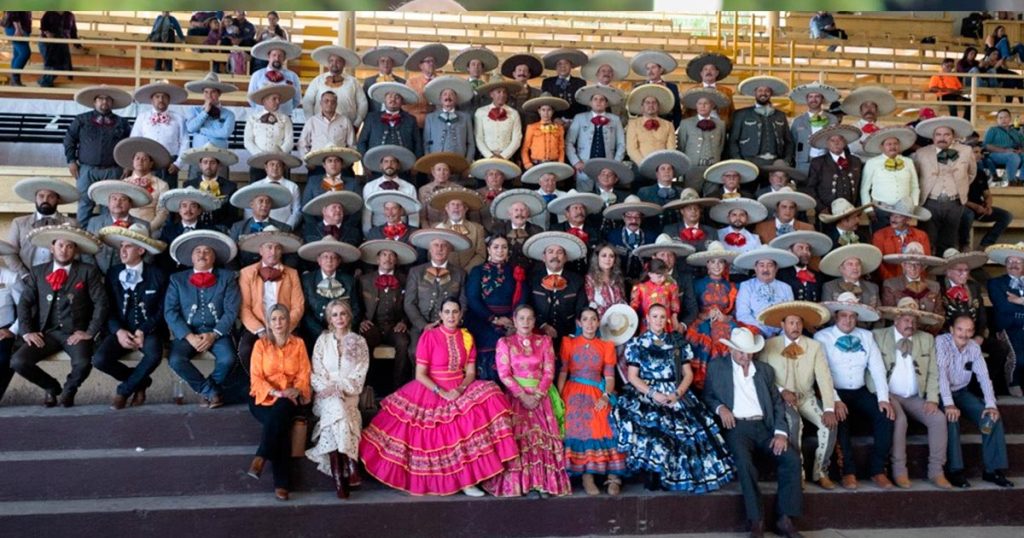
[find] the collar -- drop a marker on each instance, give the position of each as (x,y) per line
(41,216)
(780,223)
(836,157)
(192,224)
(596,114)
(66,267)
(334,179)
(702,118)
(727,191)
(450,111)
(436,266)
(328,223)
(751,369)
(326,276)
(208,179)
(331,118)
(553,273)
(706,85)
(273,179)
(918,279)
(514,227)
(258,221)
(198,272)
(275,266)
(455,223)
(669,186)
(136,267)
(385,273)
(789,342)
(820,112)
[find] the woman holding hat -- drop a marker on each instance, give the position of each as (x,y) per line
(664,430)
(142,156)
(544,140)
(647,131)
(493,290)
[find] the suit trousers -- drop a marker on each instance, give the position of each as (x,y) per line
(108,360)
(6,373)
(25,362)
(750,437)
(944,222)
(810,409)
(180,360)
(275,438)
(993,445)
(87,175)
(936,423)
(381,334)
(861,401)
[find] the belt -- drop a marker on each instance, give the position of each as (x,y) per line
(946,198)
(767,156)
(758,418)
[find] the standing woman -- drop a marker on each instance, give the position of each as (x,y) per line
(493,290)
(279,387)
(340,362)
(587,386)
(443,431)
(526,365)
(663,429)
(604,284)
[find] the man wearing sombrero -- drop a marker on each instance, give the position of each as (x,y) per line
(213,168)
(136,291)
(736,214)
(521,68)
(200,307)
(11,285)
(763,290)
(329,213)
(390,124)
(868,103)
(349,97)
(608,69)
(544,139)
(395,207)
(946,168)
(425,64)
(269,131)
(276,168)
(211,122)
(443,170)
(654,65)
(852,265)
(574,208)
(804,277)
(277,53)
(327,129)
(385,321)
(513,210)
(165,126)
(894,238)
(476,62)
(610,178)
(449,129)
(781,176)
(456,202)
(118,197)
(707,70)
(836,173)
(90,139)
(689,229)
(853,355)
(961,294)
(816,97)
(193,208)
(596,134)
(785,204)
(494,173)
(546,176)
(888,176)
(556,294)
(632,233)
(45,194)
(325,167)
(1007,295)
(702,135)
(801,373)
(259,201)
(62,308)
(647,132)
(913,281)
(760,134)
(497,126)
(384,59)
(909,357)
(663,166)
(563,84)
(730,179)
(842,223)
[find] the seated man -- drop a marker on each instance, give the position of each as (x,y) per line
(663,167)
(764,290)
(631,234)
(961,294)
(388,161)
(978,207)
(785,203)
(851,265)
(332,160)
(456,202)
(737,213)
(805,280)
(395,207)
(193,208)
(10,295)
(330,210)
(574,208)
(213,177)
(1007,295)
(842,223)
(914,281)
(494,173)
(723,180)
(613,180)
(557,295)
(259,201)
(385,321)
(325,283)
(46,195)
(118,197)
(513,210)
(275,165)
(894,238)
(689,229)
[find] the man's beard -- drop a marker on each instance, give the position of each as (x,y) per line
(276,65)
(46,209)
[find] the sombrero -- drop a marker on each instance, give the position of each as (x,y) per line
(423,237)
(812,314)
(906,208)
(593,168)
(172,199)
(906,136)
(456,162)
(803,201)
(694,66)
(592,202)
(87,96)
(376,200)
(100,192)
(574,247)
(439,52)
(849,133)
(586,93)
(311,251)
(662,58)
(960,127)
(749,85)
(780,165)
(908,306)
(756,212)
(125,150)
(840,209)
(279,195)
(619,324)
(379,90)
(630,204)
(498,82)
(999,253)
(261,50)
(973,259)
(848,302)
(44,236)
(913,252)
(370,249)
(441,197)
(559,169)
(691,96)
(211,80)
(350,202)
(715,250)
(556,103)
(261,159)
(135,234)
(480,167)
(618,63)
(348,156)
(27,188)
(532,62)
(748,171)
(502,202)
(877,94)
(743,340)
(223,155)
(679,161)
(689,197)
(484,54)
(462,88)
(664,242)
(371,161)
(782,258)
(800,93)
(575,56)
(176,94)
(320,55)
(252,242)
(285,91)
(659,92)
(819,242)
(397,55)
(869,255)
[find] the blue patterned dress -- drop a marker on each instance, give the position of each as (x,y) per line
(491,293)
(681,442)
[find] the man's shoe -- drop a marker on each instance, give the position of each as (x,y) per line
(941,482)
(67,399)
(1016,392)
(281,494)
(216,401)
(849,481)
(120,402)
(826,483)
(50,399)
(997,478)
(957,480)
(139,398)
(256,467)
(785,527)
(901,481)
(757,529)
(882,481)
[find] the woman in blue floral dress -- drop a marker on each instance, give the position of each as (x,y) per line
(493,290)
(664,430)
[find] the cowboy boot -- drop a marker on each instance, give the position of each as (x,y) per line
(344,475)
(337,474)
(354,478)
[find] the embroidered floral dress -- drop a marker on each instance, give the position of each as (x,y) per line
(151,212)
(680,442)
(647,294)
(589,433)
(603,296)
(704,334)
(339,371)
(492,290)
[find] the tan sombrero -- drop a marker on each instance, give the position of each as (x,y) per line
(486,56)
(456,162)
(803,201)
(183,245)
(1000,252)
(906,136)
(279,195)
(849,133)
(780,165)
(877,94)
(252,242)
(322,54)
(715,250)
(423,237)
(44,236)
(348,156)
(350,202)
(749,85)
(195,155)
(848,302)
(261,159)
(820,243)
(559,169)
(262,49)
(782,258)
(592,202)
(87,96)
(502,202)
(371,161)
(135,234)
(743,340)
(211,80)
(593,167)
(694,66)
(100,192)
(800,93)
(586,93)
(532,62)
(618,63)
(556,103)
(618,324)
(842,208)
(973,259)
(370,249)
(664,96)
(439,52)
(660,57)
(906,208)
(813,314)
(175,94)
(285,91)
(462,88)
(913,252)
(630,204)
(480,167)
(125,150)
(575,56)
(379,90)
(498,82)
(376,200)
(691,96)
(535,246)
(907,306)
(756,212)
(441,197)
(397,55)
(311,251)
(662,243)
(690,197)
(960,127)
(649,166)
(172,199)
(27,188)
(748,171)
(869,255)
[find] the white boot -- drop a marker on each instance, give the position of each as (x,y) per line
(473,491)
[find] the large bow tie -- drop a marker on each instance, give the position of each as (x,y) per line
(437,272)
(731,195)
(211,186)
(947,155)
(848,238)
(497,114)
(448,117)
(459,229)
(706,125)
(491,195)
(792,351)
(330,288)
(385,282)
(894,164)
(818,120)
(905,346)
(869,128)
(129,278)
(842,163)
(517,233)
(385,78)
(272,274)
(692,234)
(652,124)
(268,118)
(849,344)
(202,280)
(121,223)
(554,283)
(395,231)
(274,76)
(332,186)
(57,278)
(582,235)
(45,221)
(735,239)
(548,128)
(159,118)
(257,227)
(851,287)
(389,185)
(783,229)
(332,230)
(805,276)
(958,293)
(103,121)
(600,121)
(390,118)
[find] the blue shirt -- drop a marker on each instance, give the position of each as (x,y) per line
(259,80)
(754,296)
(205,129)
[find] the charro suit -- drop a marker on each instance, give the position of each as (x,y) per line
(566,92)
(18,236)
(385,310)
(226,213)
(676,114)
(951,179)
(405,133)
(868,292)
(579,142)
(802,131)
(425,293)
(974,306)
(767,230)
(456,136)
(826,182)
(704,148)
(1008,318)
(928,298)
(725,113)
(246,227)
(557,308)
(314,319)
(803,290)
(477,251)
(371,105)
(746,137)
(516,238)
(107,256)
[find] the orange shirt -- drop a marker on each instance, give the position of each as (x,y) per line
(420,110)
(947,84)
(278,368)
(543,146)
(886,241)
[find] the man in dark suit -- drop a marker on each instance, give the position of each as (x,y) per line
(193,207)
(1006,294)
(760,134)
(563,85)
(576,208)
(118,197)
(385,321)
(556,295)
(754,417)
(136,291)
(62,307)
(325,283)
(689,228)
(837,173)
(330,212)
(261,199)
(631,235)
(804,277)
(212,179)
(391,125)
(384,59)
(654,64)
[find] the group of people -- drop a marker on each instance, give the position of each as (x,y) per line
(533,333)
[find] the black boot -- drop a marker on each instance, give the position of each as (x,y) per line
(652,481)
(338,472)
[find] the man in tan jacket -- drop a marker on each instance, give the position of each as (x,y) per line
(945,169)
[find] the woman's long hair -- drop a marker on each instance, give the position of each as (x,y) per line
(595,272)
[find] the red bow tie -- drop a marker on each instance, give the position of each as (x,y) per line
(385,282)
(272,274)
(842,163)
(958,293)
(497,114)
(869,128)
(805,276)
(121,223)
(582,235)
(202,280)
(600,121)
(735,239)
(274,76)
(57,279)
(395,231)
(652,125)
(692,234)
(491,195)
(390,119)
(554,283)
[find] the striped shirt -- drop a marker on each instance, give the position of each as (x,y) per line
(956,368)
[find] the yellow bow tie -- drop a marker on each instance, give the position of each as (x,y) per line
(385,78)
(211,186)
(548,128)
(729,195)
(894,164)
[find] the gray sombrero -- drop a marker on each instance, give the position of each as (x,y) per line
(379,90)
(819,242)
(100,192)
(223,246)
(44,236)
(252,242)
(370,249)
(462,88)
(486,56)
(439,52)
(311,251)
(261,50)
(175,94)
(559,169)
(223,155)
(502,202)
(592,202)
(535,246)
(371,161)
(27,188)
(172,199)
(279,195)
(593,168)
(125,150)
(350,202)
(423,237)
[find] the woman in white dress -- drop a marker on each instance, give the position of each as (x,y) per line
(340,361)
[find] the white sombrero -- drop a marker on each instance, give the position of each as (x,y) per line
(630,204)
(906,208)
(27,188)
(279,195)
(175,94)
(376,200)
(664,242)
(649,166)
(660,57)
(744,341)
(462,88)
(592,202)
(223,155)
(502,202)
(614,59)
(423,237)
(535,246)
(556,103)
(800,93)
(999,253)
(262,49)
(559,169)
(973,259)
(350,202)
(586,93)
(636,98)
(441,197)
(876,94)
(849,133)
(311,251)
(484,54)
(820,243)
(756,212)
(782,258)
(715,250)
(906,136)
(842,208)
(803,201)
(749,85)
(496,82)
(100,192)
(135,234)
(480,167)
(348,156)
(848,302)
(869,255)
(44,236)
(87,96)
(747,170)
(261,159)
(593,168)
(172,199)
(322,54)
(691,96)
(370,249)
(619,324)
(913,252)
(960,127)
(397,55)
(125,150)
(211,80)
(437,51)
(406,158)
(285,91)
(252,242)
(379,90)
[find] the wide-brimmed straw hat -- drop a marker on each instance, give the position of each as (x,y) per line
(311,251)
(172,199)
(782,258)
(840,209)
(803,201)
(536,244)
(694,66)
(559,169)
(820,243)
(375,201)
(749,85)
(370,249)
(439,52)
(800,93)
(27,188)
(812,314)
(100,192)
(715,250)
(615,59)
(87,96)
(614,96)
(175,94)
(556,103)
(906,136)
(907,208)
(592,202)
(756,211)
(960,127)
(397,55)
(619,324)
(480,167)
(350,202)
(279,195)
(849,133)
(593,167)
(502,202)
(973,259)
(211,80)
(125,150)
(463,89)
(849,302)
(691,96)
(252,242)
(662,243)
(136,234)
(441,197)
(423,237)
(747,170)
(869,255)
(223,155)
(261,159)
(379,90)
(285,91)
(689,196)
(660,57)
(261,50)
(1000,252)
(223,246)
(876,94)
(913,252)
(743,340)
(907,306)
(664,96)
(630,204)
(575,56)
(348,156)
(406,158)
(456,162)
(44,236)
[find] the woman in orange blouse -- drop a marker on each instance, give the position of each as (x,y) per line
(279,388)
(544,140)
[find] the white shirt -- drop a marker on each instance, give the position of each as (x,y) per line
(172,135)
(745,404)
(903,379)
(849,368)
(371,219)
(289,214)
(270,288)
(11,287)
(352,100)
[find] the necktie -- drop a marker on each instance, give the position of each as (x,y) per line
(805,276)
(632,240)
(848,238)
(849,344)
(202,280)
(652,124)
(904,346)
(792,351)
(706,125)
(947,155)
(159,118)
(332,230)
(958,293)
(548,197)
(385,282)
(554,283)
(57,278)
(692,234)
(257,227)
(783,229)
(497,114)
(597,150)
(818,120)
(330,288)
(842,163)
(272,274)
(129,278)
(735,239)
(894,164)
(211,186)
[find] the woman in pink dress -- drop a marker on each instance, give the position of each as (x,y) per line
(604,284)
(526,366)
(444,431)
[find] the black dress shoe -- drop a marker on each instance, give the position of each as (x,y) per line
(757,529)
(997,478)
(67,399)
(958,480)
(50,400)
(785,527)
